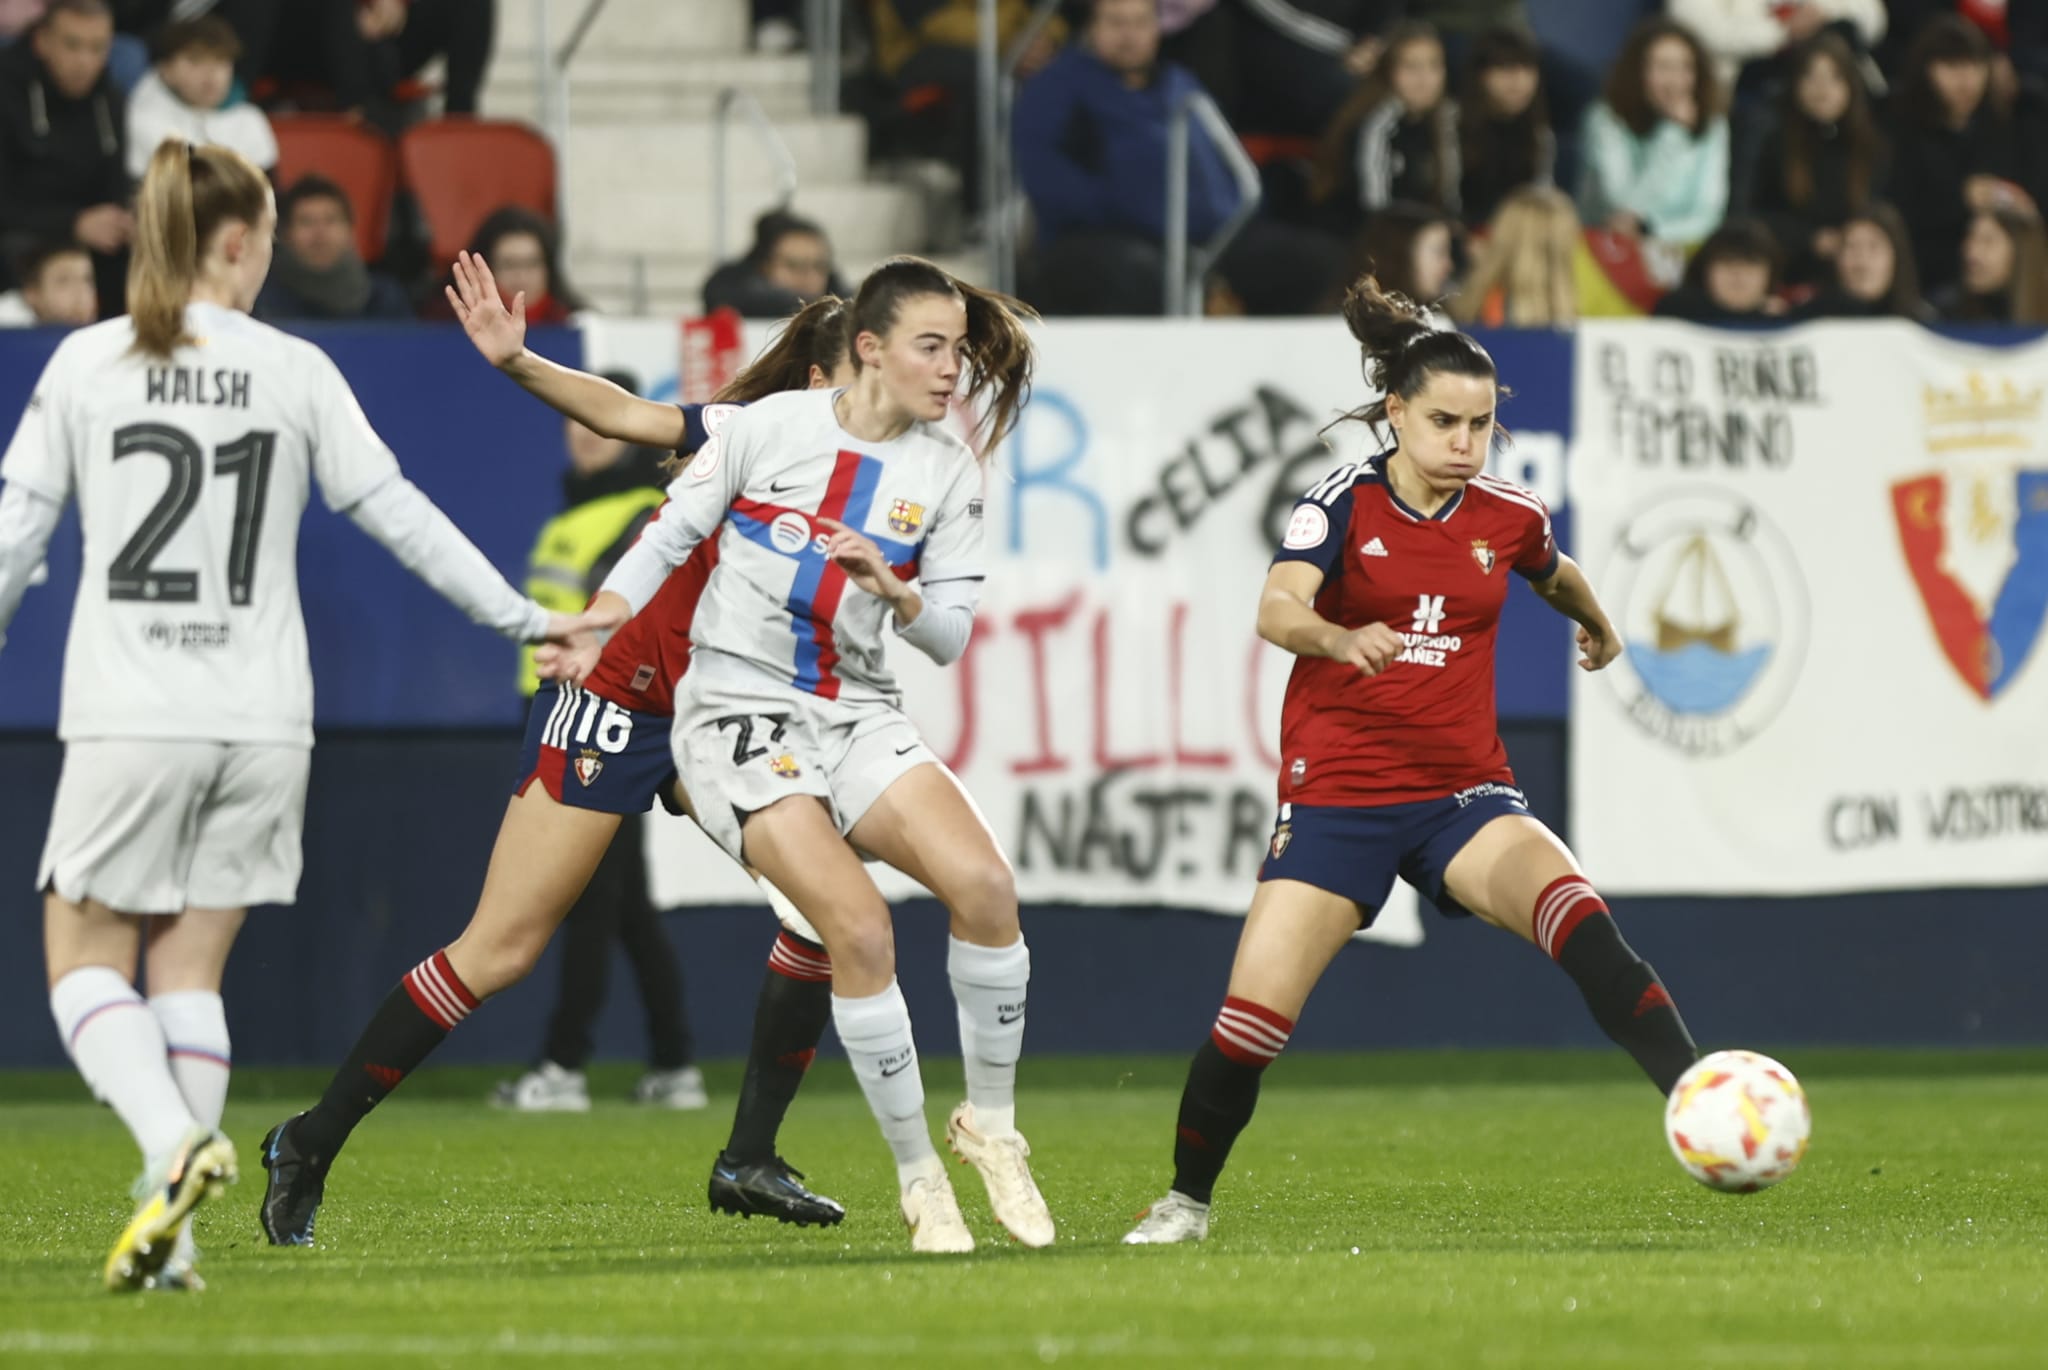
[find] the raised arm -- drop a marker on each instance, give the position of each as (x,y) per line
(500,335)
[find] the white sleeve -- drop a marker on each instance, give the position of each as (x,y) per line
(1733,30)
(27,518)
(413,528)
(40,456)
(942,627)
(349,459)
(952,549)
(697,503)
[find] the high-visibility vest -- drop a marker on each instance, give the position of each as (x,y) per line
(569,546)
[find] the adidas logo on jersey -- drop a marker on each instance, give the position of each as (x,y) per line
(1375,548)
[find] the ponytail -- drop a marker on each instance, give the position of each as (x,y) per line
(999,349)
(187,193)
(814,336)
(1400,349)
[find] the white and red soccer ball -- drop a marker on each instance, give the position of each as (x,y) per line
(1737,1121)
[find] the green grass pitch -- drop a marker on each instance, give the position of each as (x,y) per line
(1484,1210)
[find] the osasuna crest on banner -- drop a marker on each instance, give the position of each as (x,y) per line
(1975,534)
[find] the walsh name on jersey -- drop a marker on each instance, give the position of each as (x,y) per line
(221,389)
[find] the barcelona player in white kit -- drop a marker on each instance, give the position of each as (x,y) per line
(596,755)
(191,437)
(843,519)
(1388,590)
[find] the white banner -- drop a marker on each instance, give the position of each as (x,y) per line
(1827,551)
(1117,715)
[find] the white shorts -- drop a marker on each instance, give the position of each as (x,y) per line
(148,826)
(739,749)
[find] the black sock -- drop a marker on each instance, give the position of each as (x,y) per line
(1221,1092)
(789,1020)
(1628,1001)
(414,1018)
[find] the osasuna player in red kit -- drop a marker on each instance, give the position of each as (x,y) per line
(596,755)
(1388,588)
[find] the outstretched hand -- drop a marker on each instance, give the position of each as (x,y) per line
(572,661)
(1599,647)
(499,333)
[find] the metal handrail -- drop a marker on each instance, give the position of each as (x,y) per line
(1186,267)
(823,20)
(770,141)
(1004,204)
(551,70)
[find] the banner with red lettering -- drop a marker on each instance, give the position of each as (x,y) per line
(1827,551)
(1117,715)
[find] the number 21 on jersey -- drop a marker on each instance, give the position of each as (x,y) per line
(132,574)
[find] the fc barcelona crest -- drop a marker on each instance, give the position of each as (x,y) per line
(588,766)
(786,767)
(1482,554)
(906,518)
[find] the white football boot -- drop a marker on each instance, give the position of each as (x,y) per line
(547,1088)
(1175,1218)
(1005,1169)
(933,1215)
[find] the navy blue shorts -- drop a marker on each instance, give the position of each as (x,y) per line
(1357,852)
(594,754)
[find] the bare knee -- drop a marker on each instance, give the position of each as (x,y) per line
(863,945)
(983,902)
(489,963)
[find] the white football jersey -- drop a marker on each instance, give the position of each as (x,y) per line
(191,476)
(771,473)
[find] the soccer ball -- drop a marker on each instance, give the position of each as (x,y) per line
(1737,1121)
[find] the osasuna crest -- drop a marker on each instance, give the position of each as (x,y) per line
(1282,835)
(906,518)
(1482,554)
(588,766)
(1977,546)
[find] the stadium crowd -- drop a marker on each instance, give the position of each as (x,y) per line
(1736,159)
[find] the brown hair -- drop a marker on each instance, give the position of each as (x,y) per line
(1627,92)
(1386,245)
(188,193)
(1499,48)
(1802,135)
(1527,257)
(1335,149)
(2027,292)
(209,35)
(999,352)
(1944,38)
(1903,298)
(1737,240)
(813,336)
(1399,349)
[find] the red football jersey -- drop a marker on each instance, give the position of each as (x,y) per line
(1424,728)
(642,664)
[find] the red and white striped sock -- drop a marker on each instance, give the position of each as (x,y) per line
(800,960)
(1565,903)
(439,991)
(1250,1034)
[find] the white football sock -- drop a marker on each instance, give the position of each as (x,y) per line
(118,1047)
(989,985)
(876,1034)
(196,1036)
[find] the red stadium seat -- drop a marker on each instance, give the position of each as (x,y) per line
(460,169)
(352,155)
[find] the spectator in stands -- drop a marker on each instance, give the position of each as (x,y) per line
(1738,33)
(316,272)
(1297,61)
(1656,144)
(1525,274)
(928,51)
(1733,278)
(789,265)
(361,49)
(1410,248)
(525,256)
(56,289)
(1279,271)
(187,93)
(1090,143)
(2004,275)
(1873,272)
(1395,139)
(1504,124)
(1824,158)
(1962,144)
(62,175)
